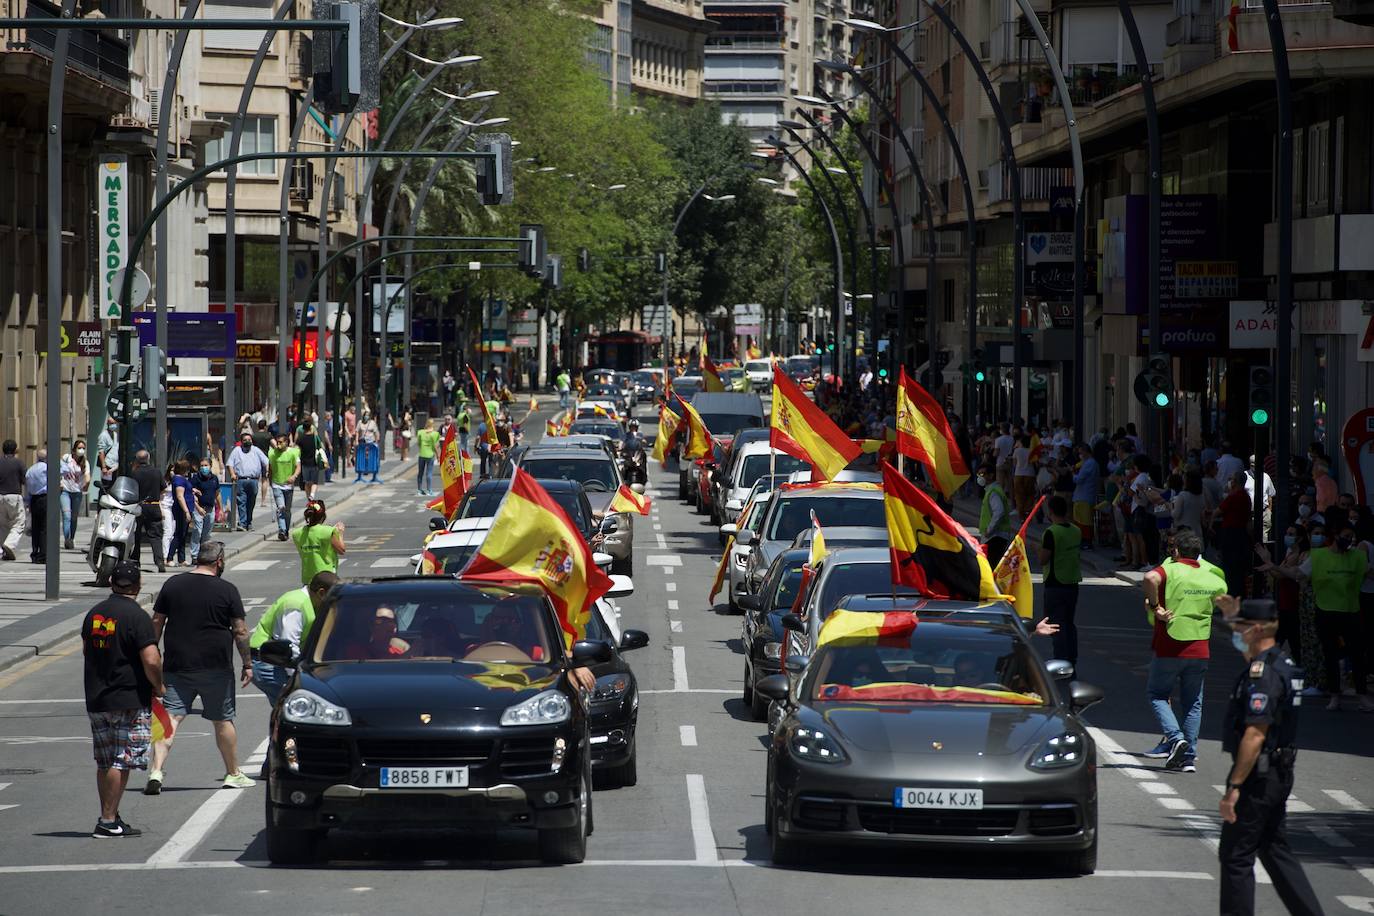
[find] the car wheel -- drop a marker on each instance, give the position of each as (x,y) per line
(291,847)
(1084,862)
(682,487)
(748,687)
(624,567)
(758,707)
(783,852)
(568,845)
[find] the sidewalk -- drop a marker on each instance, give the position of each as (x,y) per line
(1096,563)
(31,624)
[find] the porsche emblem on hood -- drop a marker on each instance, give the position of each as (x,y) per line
(425,717)
(937,745)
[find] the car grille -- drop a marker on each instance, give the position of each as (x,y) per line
(820,815)
(425,752)
(526,757)
(990,822)
(323,757)
(1062,821)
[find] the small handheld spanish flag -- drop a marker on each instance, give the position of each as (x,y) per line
(719,581)
(627,500)
(163,726)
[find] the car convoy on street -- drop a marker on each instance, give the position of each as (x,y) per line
(426,700)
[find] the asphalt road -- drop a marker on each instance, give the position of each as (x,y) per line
(689,838)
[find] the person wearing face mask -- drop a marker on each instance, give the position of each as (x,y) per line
(1336,571)
(1260,734)
(247,467)
(1288,587)
(205,486)
(107,453)
(1307,511)
(76,480)
(994,519)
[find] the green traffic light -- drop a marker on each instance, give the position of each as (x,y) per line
(830,347)
(882,373)
(1161,399)
(1259,417)
(980,376)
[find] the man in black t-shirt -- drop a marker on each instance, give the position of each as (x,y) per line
(151,483)
(200,615)
(123,672)
(310,444)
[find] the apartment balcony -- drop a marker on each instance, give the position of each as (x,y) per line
(746,41)
(742,88)
(97,53)
(1037,183)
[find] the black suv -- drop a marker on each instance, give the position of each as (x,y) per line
(428,701)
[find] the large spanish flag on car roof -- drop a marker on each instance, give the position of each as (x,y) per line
(533,540)
(698,436)
(858,628)
(799,428)
(931,552)
(923,434)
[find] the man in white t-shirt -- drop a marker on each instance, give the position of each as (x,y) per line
(1003,446)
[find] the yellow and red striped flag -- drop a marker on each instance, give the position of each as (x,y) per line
(802,430)
(487,418)
(719,581)
(852,628)
(451,468)
(627,500)
(931,552)
(668,422)
(710,375)
(753,352)
(163,726)
(924,435)
(533,540)
(698,436)
(1013,573)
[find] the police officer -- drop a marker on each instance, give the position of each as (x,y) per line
(1260,734)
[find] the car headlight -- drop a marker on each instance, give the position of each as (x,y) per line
(545,708)
(610,687)
(772,650)
(306,708)
(814,744)
(1059,752)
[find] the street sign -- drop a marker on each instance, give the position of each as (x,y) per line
(127,398)
(346,348)
(139,293)
(112,219)
(79,338)
(190,335)
(257,352)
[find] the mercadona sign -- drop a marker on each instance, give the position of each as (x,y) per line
(111,182)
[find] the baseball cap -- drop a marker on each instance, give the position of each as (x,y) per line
(1255,610)
(126,574)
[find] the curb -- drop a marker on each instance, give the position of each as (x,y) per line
(44,641)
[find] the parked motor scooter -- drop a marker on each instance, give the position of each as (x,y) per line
(112,538)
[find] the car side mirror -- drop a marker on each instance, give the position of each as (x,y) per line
(637,488)
(1060,669)
(610,524)
(604,560)
(621,587)
(587,652)
(796,664)
(278,652)
(749,602)
(633,639)
(729,529)
(744,537)
(438,523)
(774,687)
(1082,695)
(792,622)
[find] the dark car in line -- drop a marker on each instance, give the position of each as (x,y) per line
(724,413)
(955,736)
(429,702)
(789,513)
(761,628)
(613,714)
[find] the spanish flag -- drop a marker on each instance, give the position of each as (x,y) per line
(719,581)
(860,628)
(818,549)
(753,352)
(1013,574)
(567,422)
(492,441)
(163,726)
(802,430)
(533,540)
(698,436)
(627,500)
(923,434)
(451,468)
(668,422)
(931,552)
(551,428)
(710,375)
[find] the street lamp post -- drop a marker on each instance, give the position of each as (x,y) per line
(837,273)
(677,224)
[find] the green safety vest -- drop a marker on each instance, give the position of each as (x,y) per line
(1188,592)
(1336,578)
(985,517)
(1064,556)
(298,599)
(316,546)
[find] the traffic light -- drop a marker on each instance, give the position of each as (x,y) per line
(584,260)
(980,374)
(553,271)
(533,250)
(1261,395)
(661,262)
(345,63)
(154,373)
(1154,385)
(494,175)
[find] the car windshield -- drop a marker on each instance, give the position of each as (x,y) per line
(598,428)
(684,388)
(755,467)
(729,424)
(595,476)
(643,377)
(842,579)
(446,561)
(784,588)
(794,513)
(940,664)
(758,365)
(608,392)
(802,363)
(462,625)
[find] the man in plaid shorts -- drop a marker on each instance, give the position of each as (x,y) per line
(123,672)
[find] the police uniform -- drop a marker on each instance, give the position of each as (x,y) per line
(1267,693)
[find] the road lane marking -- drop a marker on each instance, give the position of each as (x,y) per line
(662,542)
(703,840)
(1321,831)
(391,562)
(679,669)
(1119,756)
(1158,788)
(664,559)
(692,690)
(675,626)
(657,526)
(1294,806)
(670,586)
(1362,868)
(255,565)
(199,825)
(687,734)
(1346,800)
(672,604)
(1174,803)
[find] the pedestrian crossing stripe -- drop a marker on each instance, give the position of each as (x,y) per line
(392,563)
(255,565)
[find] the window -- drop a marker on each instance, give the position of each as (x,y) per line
(259,136)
